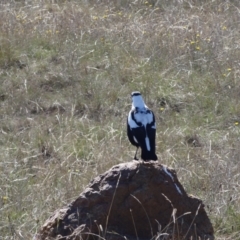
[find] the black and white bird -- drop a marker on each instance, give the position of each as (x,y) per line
(141,128)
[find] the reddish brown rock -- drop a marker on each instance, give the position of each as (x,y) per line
(134,200)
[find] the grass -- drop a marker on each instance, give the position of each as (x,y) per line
(67,69)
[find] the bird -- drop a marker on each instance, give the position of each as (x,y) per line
(141,128)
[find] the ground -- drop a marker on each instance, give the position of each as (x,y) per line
(67,69)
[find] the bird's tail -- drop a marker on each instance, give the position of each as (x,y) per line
(148,155)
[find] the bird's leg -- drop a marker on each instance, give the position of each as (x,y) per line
(135,157)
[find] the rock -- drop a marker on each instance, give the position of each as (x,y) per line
(134,200)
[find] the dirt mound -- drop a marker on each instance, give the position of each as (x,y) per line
(133,200)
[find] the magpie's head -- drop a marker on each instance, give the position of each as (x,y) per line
(137,100)
(135,94)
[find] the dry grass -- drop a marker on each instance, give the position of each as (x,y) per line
(66,71)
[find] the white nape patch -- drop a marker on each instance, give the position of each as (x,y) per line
(143,117)
(147,143)
(178,189)
(135,139)
(138,101)
(168,173)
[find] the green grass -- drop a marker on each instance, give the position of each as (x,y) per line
(67,70)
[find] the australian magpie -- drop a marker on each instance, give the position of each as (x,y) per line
(141,128)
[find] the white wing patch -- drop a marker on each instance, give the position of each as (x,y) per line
(147,143)
(135,139)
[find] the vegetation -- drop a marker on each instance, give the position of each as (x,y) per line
(67,69)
